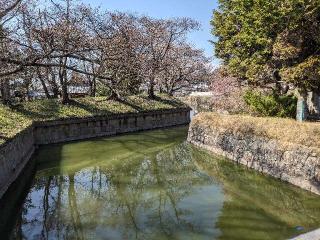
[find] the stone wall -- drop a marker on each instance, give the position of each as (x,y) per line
(77,129)
(16,152)
(293,163)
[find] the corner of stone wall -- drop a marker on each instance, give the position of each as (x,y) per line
(16,152)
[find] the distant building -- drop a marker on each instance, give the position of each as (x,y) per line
(74,92)
(78,91)
(35,95)
(195,88)
(202,94)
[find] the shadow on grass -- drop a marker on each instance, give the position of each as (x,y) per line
(52,109)
(47,109)
(172,102)
(89,107)
(130,104)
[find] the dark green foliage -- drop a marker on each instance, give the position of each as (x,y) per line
(271,105)
(256,38)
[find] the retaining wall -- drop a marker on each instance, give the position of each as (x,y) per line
(293,163)
(15,153)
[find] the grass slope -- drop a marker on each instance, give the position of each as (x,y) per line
(282,129)
(18,117)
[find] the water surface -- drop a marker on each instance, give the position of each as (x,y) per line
(151,185)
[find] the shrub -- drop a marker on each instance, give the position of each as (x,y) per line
(271,105)
(227,93)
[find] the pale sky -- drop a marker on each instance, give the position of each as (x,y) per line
(200,10)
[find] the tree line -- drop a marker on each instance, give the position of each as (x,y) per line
(52,45)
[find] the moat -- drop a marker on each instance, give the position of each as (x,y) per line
(149,185)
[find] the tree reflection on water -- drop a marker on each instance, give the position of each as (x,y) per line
(155,186)
(134,199)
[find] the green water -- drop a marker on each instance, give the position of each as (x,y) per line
(151,185)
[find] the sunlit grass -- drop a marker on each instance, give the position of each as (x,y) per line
(16,118)
(281,129)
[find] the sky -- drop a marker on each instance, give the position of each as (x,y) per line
(200,10)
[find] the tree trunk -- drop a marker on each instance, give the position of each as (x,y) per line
(5,91)
(55,91)
(93,87)
(51,76)
(313,102)
(44,86)
(114,96)
(64,84)
(65,95)
(28,97)
(151,94)
(64,88)
(302,110)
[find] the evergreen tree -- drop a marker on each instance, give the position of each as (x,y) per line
(271,42)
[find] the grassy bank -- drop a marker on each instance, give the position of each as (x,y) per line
(283,130)
(16,118)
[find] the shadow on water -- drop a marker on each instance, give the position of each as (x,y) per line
(12,203)
(77,155)
(153,185)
